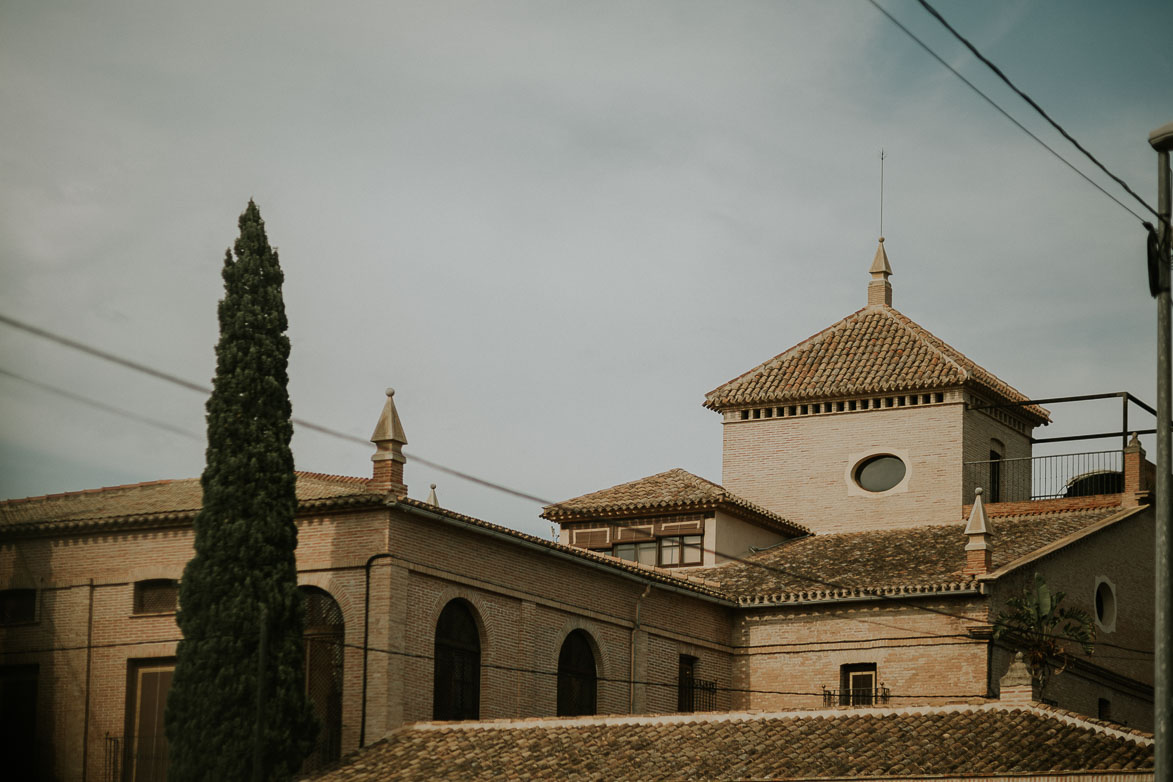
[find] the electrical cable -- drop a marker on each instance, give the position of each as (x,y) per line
(1002,111)
(1036,107)
(493,666)
(85,400)
(910,602)
(203,389)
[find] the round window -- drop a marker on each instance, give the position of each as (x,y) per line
(880,473)
(1106,605)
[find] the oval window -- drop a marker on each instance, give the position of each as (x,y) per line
(1106,605)
(880,473)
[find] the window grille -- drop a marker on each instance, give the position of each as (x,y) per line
(156,596)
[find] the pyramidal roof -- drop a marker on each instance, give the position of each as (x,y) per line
(875,350)
(672,490)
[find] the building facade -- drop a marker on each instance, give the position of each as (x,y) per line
(846,561)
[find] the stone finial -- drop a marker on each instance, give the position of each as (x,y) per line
(389,440)
(1138,479)
(1016,686)
(432,497)
(977,551)
(879,289)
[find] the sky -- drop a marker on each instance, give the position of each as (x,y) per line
(552,227)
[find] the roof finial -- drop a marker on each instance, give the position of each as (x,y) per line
(882,194)
(389,440)
(977,551)
(879,289)
(432,497)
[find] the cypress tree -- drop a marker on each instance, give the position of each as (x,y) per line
(245,537)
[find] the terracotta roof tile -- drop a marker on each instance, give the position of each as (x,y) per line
(875,350)
(928,556)
(918,741)
(169,497)
(670,491)
(675,578)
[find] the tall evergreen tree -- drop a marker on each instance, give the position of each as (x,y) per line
(245,537)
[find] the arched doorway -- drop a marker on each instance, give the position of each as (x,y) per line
(577,676)
(456,679)
(323,639)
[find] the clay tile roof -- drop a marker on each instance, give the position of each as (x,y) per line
(928,557)
(675,578)
(921,742)
(873,351)
(674,490)
(173,498)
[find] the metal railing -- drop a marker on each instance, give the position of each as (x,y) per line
(127,760)
(1044,477)
(869,696)
(697,695)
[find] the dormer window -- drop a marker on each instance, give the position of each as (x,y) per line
(670,551)
(880,473)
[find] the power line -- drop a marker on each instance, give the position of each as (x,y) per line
(1003,112)
(910,602)
(1036,106)
(493,666)
(85,400)
(204,389)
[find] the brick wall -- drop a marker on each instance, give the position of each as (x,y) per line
(980,430)
(801,467)
(786,656)
(1122,555)
(526,602)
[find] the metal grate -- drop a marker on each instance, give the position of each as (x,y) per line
(859,696)
(697,694)
(135,758)
(157,596)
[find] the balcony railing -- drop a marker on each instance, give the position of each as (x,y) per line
(128,760)
(871,696)
(696,695)
(1045,477)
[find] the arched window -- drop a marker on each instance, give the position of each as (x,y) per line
(324,635)
(577,678)
(456,679)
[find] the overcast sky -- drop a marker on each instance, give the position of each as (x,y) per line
(552,226)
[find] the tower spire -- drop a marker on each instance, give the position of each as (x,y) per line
(879,289)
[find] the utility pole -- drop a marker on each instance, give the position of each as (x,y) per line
(1161,140)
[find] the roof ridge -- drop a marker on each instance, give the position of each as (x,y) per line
(99,490)
(330,476)
(64,495)
(935,343)
(792,348)
(962,706)
(945,349)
